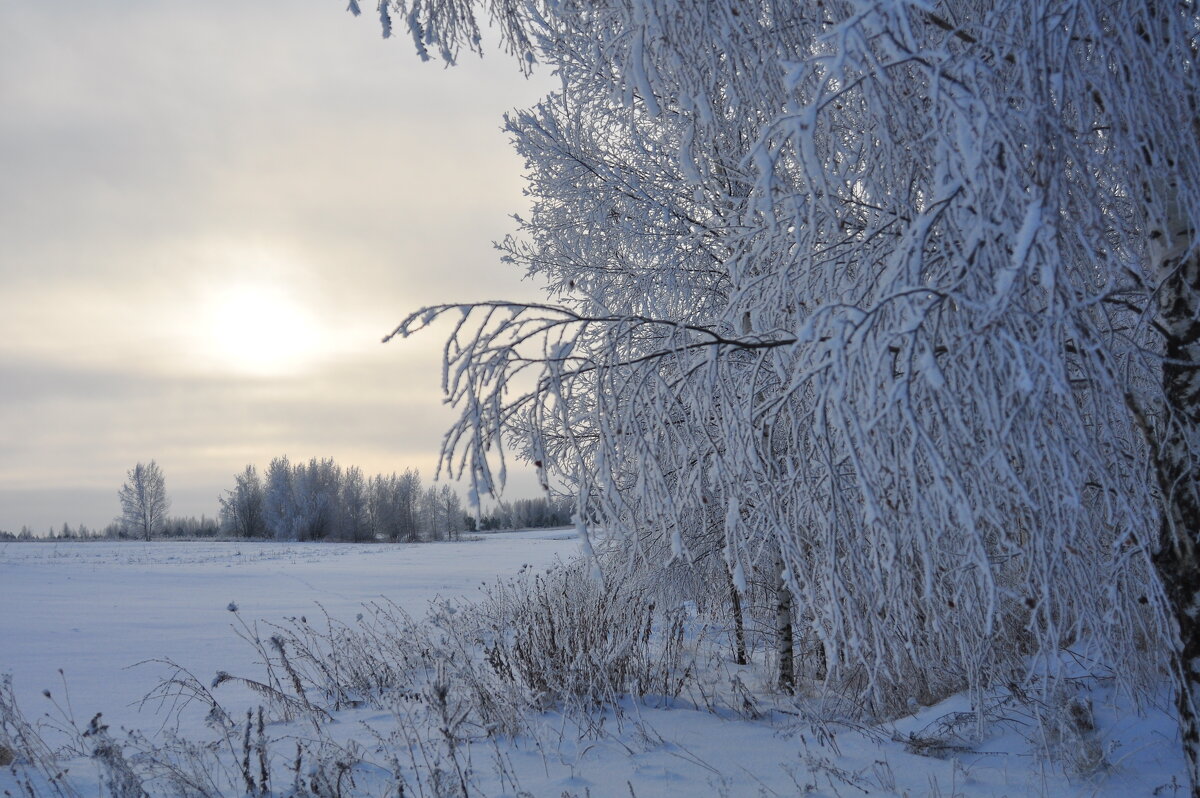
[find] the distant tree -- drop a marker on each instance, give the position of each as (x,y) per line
(320,500)
(392,505)
(242,511)
(144,501)
(450,507)
(278,502)
(190,527)
(315,497)
(353,521)
(408,495)
(380,509)
(528,514)
(431,512)
(441,513)
(300,501)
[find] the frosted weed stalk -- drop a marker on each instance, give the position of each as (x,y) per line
(117,776)
(563,637)
(23,751)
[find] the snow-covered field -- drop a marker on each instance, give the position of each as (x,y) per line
(95,610)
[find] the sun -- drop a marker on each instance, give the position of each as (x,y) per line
(259,330)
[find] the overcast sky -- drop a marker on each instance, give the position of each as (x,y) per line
(210,213)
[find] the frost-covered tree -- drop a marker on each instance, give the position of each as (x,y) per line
(902,294)
(440,513)
(144,501)
(430,512)
(528,514)
(353,510)
(279,500)
(242,508)
(392,505)
(381,507)
(315,498)
(320,499)
(444,513)
(406,493)
(303,501)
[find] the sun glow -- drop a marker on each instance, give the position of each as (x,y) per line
(259,330)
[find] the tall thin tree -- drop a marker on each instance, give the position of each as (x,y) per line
(144,502)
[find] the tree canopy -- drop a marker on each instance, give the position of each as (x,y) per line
(901,295)
(144,500)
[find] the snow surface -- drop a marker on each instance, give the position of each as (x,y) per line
(96,609)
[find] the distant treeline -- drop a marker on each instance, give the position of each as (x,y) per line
(183,527)
(320,500)
(527,514)
(317,500)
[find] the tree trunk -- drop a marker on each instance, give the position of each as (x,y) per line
(1176,558)
(739,624)
(784,637)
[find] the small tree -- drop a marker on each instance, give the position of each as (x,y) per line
(144,501)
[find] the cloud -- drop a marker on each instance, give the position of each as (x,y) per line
(153,151)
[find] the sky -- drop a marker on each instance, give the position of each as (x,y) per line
(210,214)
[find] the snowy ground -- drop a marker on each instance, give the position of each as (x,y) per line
(97,609)
(94,610)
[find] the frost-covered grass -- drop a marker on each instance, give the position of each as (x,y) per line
(369,689)
(96,609)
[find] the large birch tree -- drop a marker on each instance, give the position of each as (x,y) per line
(907,294)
